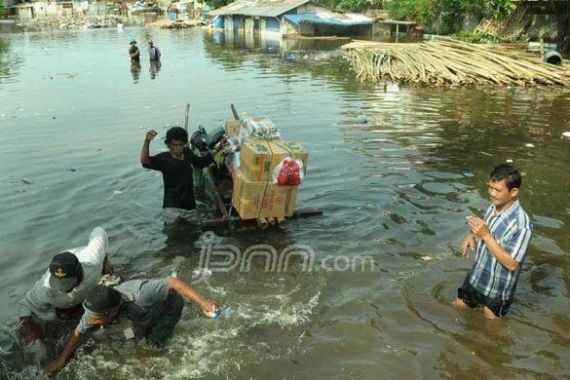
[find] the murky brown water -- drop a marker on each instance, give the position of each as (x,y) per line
(395,170)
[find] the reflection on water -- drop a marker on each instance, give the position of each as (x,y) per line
(290,49)
(135,71)
(395,169)
(154,68)
(9,62)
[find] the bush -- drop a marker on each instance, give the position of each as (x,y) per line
(447,16)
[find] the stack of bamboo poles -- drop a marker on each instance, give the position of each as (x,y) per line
(450,62)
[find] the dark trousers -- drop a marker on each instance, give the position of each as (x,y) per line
(159,332)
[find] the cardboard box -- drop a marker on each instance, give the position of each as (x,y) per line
(255,199)
(296,151)
(259,158)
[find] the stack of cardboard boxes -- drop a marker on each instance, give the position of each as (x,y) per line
(255,196)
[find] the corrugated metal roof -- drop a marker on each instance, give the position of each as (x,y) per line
(349,19)
(270,8)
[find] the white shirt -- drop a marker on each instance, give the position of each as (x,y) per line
(42,300)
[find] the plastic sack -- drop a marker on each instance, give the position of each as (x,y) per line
(258,128)
(289,172)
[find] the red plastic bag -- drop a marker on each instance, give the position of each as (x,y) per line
(288,173)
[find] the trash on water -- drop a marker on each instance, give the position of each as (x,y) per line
(202,272)
(215,314)
(566,134)
(509,161)
(129,333)
(529,145)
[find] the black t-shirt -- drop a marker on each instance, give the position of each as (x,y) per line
(132,50)
(177,177)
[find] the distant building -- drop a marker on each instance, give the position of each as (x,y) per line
(289,18)
(186,10)
(33,9)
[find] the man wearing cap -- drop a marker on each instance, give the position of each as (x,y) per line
(153,306)
(153,52)
(134,53)
(66,284)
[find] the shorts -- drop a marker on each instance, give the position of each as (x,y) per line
(172,215)
(473,298)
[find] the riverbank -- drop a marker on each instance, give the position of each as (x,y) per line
(178,24)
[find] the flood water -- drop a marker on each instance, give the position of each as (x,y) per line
(395,170)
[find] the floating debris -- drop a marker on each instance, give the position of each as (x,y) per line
(566,135)
(529,145)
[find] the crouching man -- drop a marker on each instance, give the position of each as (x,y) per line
(153,306)
(58,294)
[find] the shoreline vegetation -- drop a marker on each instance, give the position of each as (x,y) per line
(483,43)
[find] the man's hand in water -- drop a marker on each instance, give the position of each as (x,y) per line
(150,135)
(468,243)
(208,308)
(53,368)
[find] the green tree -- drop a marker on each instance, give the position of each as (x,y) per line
(447,16)
(214,4)
(353,5)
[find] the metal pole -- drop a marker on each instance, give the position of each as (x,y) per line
(236,115)
(186,116)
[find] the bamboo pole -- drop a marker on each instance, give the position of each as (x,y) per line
(446,61)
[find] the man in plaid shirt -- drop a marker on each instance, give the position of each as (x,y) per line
(501,241)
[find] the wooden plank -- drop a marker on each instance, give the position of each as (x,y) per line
(223,222)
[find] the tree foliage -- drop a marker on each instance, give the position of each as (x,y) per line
(351,5)
(447,16)
(214,4)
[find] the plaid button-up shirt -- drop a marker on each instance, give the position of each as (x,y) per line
(512,229)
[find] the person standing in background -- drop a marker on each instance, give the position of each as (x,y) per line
(134,53)
(153,52)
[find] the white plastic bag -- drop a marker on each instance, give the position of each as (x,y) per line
(258,128)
